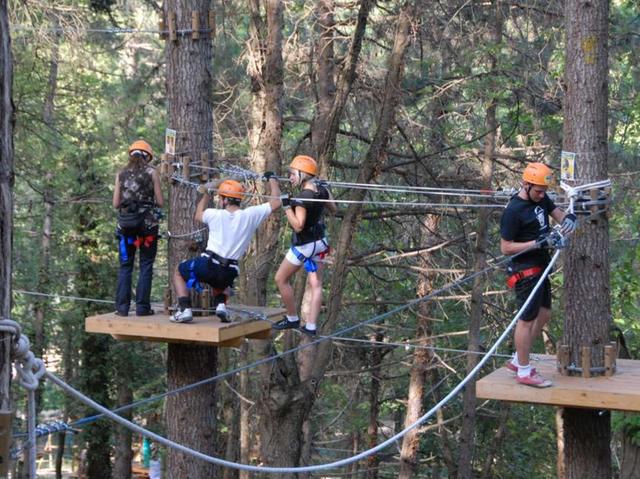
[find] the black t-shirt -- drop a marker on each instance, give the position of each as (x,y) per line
(313,229)
(524,220)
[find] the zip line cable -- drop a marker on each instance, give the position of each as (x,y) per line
(181,180)
(317,467)
(498,262)
(336,334)
(268,359)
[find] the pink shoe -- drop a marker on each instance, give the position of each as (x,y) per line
(511,367)
(534,379)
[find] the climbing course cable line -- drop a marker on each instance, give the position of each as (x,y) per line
(300,347)
(317,467)
(363,454)
(414,204)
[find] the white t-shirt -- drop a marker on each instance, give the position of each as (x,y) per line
(231,233)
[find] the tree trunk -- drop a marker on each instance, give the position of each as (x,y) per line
(326,148)
(467,430)
(325,87)
(191,416)
(422,358)
(587,433)
(374,362)
(40,310)
(96,372)
(245,413)
(266,72)
(6,204)
(123,454)
(287,396)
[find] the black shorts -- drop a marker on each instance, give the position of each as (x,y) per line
(542,298)
(206,271)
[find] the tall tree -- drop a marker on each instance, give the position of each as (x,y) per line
(190,416)
(6,202)
(587,433)
(292,386)
(265,137)
(423,357)
(467,432)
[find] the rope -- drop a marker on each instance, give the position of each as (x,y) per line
(60,296)
(317,467)
(29,370)
(300,347)
(414,204)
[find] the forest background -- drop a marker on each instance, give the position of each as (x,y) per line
(477,75)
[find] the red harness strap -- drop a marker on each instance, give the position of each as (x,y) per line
(525,273)
(147,241)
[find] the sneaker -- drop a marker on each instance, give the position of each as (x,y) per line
(308,332)
(183,316)
(121,313)
(222,314)
(284,323)
(511,367)
(534,379)
(149,312)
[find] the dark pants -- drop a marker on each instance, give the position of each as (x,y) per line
(206,271)
(143,288)
(542,298)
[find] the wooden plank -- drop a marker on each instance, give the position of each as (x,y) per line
(619,392)
(203,329)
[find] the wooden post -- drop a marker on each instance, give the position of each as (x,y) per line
(205,301)
(164,167)
(195,25)
(173,34)
(212,23)
(586,361)
(610,359)
(186,171)
(204,159)
(563,359)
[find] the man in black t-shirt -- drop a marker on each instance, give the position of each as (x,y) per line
(525,232)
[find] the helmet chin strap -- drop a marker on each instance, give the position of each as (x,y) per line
(528,190)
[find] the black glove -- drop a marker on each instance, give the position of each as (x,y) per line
(267,175)
(286,201)
(569,224)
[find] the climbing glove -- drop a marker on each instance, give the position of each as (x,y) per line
(569,224)
(552,240)
(286,201)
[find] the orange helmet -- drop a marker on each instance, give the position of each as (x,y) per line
(142,146)
(538,174)
(231,189)
(306,164)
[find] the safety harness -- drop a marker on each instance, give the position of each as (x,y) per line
(193,283)
(224,262)
(309,264)
(136,241)
(525,273)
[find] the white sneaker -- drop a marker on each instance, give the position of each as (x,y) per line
(221,312)
(182,316)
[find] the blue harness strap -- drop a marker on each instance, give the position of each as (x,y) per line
(193,282)
(124,241)
(309,265)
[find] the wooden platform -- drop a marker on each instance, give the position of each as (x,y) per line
(203,329)
(620,391)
